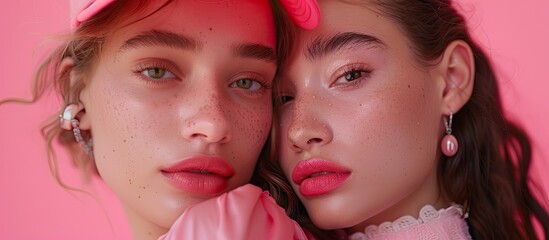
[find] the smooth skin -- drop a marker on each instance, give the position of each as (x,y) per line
(354,93)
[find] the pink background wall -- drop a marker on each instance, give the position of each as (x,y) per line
(34,206)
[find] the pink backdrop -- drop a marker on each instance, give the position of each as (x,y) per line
(34,206)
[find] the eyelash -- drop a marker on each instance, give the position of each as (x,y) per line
(283,99)
(265,85)
(349,69)
(167,67)
(155,65)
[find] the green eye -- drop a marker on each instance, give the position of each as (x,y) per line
(249,82)
(155,72)
(245,83)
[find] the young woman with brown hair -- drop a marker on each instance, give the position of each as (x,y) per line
(391,127)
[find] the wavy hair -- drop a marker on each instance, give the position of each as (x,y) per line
(489,175)
(84,46)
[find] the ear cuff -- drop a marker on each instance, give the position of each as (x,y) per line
(68,121)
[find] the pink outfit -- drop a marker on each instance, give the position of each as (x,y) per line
(243,213)
(444,224)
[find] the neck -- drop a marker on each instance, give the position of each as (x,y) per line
(427,194)
(143,229)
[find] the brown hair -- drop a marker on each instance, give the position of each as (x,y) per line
(268,174)
(489,173)
(84,45)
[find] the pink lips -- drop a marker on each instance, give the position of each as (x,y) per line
(199,174)
(317,176)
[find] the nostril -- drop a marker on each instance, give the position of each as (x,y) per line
(314,140)
(224,140)
(296,148)
(198,135)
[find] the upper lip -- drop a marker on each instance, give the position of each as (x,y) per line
(306,168)
(202,164)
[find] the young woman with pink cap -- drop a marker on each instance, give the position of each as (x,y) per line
(169,102)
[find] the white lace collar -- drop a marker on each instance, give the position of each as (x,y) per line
(446,223)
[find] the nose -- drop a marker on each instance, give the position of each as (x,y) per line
(208,123)
(308,127)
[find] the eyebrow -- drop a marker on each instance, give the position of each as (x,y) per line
(174,40)
(321,47)
(160,38)
(254,51)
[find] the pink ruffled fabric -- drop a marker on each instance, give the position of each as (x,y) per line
(243,213)
(432,224)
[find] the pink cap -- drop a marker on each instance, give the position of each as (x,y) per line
(90,9)
(304,13)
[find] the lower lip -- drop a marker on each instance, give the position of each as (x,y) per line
(197,183)
(322,184)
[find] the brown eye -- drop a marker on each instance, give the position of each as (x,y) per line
(285,99)
(353,75)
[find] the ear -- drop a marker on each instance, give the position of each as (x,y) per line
(66,70)
(65,66)
(457,70)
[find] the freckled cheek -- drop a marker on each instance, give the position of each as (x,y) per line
(418,111)
(404,107)
(116,127)
(394,128)
(253,124)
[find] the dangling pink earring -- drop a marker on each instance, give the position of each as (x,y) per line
(68,121)
(449,144)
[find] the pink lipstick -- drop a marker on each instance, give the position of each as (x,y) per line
(318,176)
(200,174)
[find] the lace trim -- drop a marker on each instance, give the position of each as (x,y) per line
(427,214)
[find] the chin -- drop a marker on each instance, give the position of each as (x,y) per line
(324,219)
(329,224)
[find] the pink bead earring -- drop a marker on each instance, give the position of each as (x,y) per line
(69,122)
(449,144)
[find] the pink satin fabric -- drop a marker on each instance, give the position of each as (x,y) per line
(243,213)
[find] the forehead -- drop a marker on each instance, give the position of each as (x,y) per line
(354,17)
(206,20)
